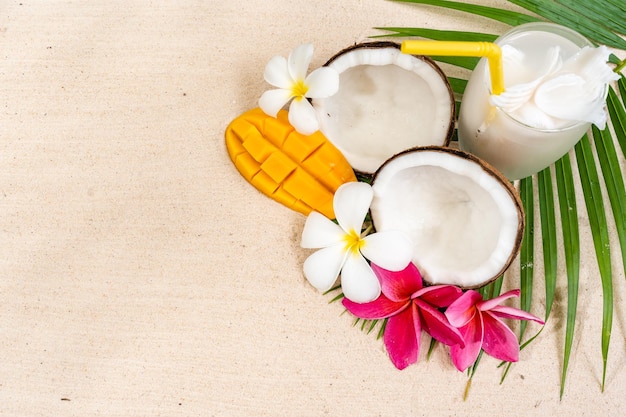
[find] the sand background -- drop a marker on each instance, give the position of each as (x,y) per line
(140,275)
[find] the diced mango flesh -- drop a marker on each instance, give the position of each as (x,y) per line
(301,172)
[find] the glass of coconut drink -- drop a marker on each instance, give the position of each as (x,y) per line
(555,86)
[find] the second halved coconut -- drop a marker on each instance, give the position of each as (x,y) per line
(466,220)
(387,102)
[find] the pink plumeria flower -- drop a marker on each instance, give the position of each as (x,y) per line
(410,308)
(289,75)
(480,323)
(343,249)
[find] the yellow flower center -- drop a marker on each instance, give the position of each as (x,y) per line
(299,89)
(354,243)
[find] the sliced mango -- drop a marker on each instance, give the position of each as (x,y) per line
(301,172)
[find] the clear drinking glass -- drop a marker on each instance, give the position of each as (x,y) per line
(492,134)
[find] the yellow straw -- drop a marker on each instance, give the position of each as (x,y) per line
(452,48)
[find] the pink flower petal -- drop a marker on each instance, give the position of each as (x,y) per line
(460,312)
(438,295)
(513,313)
(434,322)
(472,333)
(402,338)
(499,341)
(398,286)
(380,308)
(489,304)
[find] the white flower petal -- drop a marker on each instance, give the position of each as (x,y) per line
(322,268)
(351,202)
(273,100)
(322,83)
(302,116)
(299,61)
(358,281)
(277,73)
(319,232)
(391,249)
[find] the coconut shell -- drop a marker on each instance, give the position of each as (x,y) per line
(388,44)
(506,184)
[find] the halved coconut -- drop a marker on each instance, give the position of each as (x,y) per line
(387,102)
(465,219)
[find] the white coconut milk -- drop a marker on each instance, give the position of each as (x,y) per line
(504,139)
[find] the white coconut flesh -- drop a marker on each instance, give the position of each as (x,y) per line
(387,102)
(466,223)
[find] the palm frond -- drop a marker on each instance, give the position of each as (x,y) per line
(466,62)
(571,245)
(618,118)
(601,21)
(527,251)
(505,16)
(435,34)
(458,85)
(595,210)
(579,20)
(609,163)
(548,235)
(603,13)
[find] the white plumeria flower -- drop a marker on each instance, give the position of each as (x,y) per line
(293,84)
(343,249)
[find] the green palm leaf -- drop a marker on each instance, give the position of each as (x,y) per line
(527,251)
(574,14)
(439,35)
(548,235)
(609,162)
(466,62)
(597,220)
(577,19)
(603,13)
(614,180)
(504,16)
(458,85)
(618,117)
(571,245)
